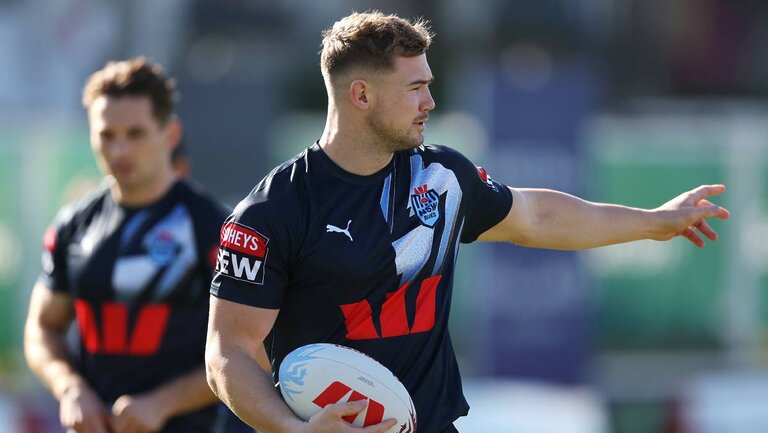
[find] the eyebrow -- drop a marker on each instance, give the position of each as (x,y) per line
(427,82)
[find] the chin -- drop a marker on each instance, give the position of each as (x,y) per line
(407,145)
(417,141)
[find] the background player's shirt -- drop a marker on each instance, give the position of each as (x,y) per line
(364,261)
(139,280)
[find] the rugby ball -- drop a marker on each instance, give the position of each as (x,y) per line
(316,375)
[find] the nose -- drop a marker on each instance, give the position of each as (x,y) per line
(428,104)
(118,147)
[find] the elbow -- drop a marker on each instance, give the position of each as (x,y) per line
(210,378)
(214,364)
(524,236)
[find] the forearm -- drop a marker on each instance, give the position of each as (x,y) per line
(184,394)
(46,354)
(562,221)
(247,389)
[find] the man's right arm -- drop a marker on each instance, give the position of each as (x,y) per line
(236,334)
(50,314)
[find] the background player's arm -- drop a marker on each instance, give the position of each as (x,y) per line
(551,219)
(49,316)
(150,411)
(236,334)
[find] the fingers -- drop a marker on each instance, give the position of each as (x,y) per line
(127,424)
(693,237)
(90,424)
(703,227)
(380,427)
(705,191)
(705,209)
(347,408)
(696,209)
(122,422)
(339,416)
(717,212)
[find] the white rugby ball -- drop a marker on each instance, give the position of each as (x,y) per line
(316,375)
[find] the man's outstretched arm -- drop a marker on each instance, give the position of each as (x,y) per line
(544,218)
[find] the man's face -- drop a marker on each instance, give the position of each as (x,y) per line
(128,141)
(403,102)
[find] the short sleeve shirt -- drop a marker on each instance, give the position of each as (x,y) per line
(139,279)
(364,261)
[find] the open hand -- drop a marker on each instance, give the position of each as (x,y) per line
(687,213)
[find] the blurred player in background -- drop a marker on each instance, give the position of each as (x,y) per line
(354,240)
(131,264)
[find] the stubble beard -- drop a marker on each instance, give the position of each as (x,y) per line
(391,139)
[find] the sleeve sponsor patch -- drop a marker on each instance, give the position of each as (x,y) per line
(485,177)
(242,253)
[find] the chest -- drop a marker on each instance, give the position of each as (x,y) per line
(118,256)
(384,235)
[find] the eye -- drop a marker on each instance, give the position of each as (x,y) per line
(136,133)
(106,135)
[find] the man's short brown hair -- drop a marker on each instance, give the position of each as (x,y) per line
(134,77)
(371,40)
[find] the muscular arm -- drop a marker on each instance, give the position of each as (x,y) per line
(50,314)
(551,219)
(236,334)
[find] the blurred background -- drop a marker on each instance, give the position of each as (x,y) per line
(629,101)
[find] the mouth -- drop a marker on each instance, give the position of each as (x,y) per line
(122,168)
(421,123)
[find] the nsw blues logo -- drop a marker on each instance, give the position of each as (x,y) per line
(425,203)
(161,247)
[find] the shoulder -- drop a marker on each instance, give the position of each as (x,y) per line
(75,214)
(444,155)
(80,210)
(278,195)
(288,176)
(274,210)
(448,157)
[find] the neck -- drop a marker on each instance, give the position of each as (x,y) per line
(351,146)
(142,195)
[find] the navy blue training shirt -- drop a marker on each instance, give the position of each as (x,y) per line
(139,280)
(364,261)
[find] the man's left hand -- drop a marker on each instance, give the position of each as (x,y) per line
(137,414)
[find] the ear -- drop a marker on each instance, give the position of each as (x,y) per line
(360,94)
(173,132)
